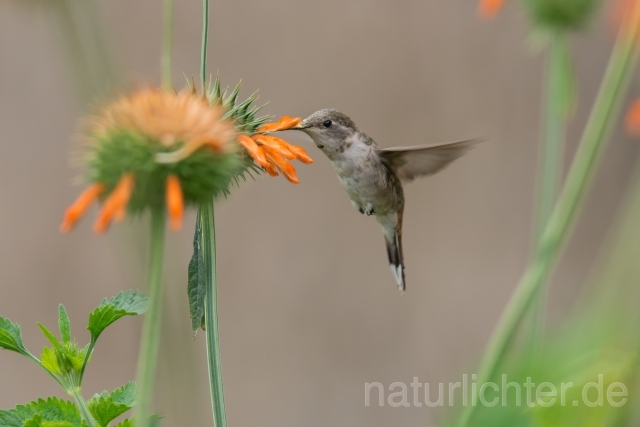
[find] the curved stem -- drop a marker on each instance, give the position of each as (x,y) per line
(87,356)
(211,314)
(167,44)
(604,112)
(149,345)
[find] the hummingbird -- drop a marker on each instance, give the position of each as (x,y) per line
(373,176)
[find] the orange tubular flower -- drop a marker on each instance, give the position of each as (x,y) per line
(175,202)
(116,204)
(488,9)
(632,120)
(272,152)
(80,206)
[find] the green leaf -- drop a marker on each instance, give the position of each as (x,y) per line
(105,407)
(52,338)
(54,412)
(11,336)
(127,303)
(196,281)
(37,421)
(9,419)
(49,361)
(64,324)
(126,423)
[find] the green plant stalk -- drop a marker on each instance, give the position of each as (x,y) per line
(551,158)
(150,342)
(205,40)
(82,406)
(207,226)
(605,110)
(167,44)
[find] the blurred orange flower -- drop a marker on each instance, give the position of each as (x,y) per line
(632,120)
(488,9)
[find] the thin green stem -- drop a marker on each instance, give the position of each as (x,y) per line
(207,225)
(167,44)
(603,114)
(555,107)
(150,342)
(87,356)
(205,39)
(82,406)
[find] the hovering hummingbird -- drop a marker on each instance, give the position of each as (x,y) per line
(373,176)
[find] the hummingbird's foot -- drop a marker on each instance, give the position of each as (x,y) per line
(369,210)
(361,210)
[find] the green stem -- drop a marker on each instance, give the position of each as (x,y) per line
(207,225)
(87,356)
(82,406)
(167,44)
(148,356)
(205,39)
(604,112)
(550,174)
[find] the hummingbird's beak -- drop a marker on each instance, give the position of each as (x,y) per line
(300,126)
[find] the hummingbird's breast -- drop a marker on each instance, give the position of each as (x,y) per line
(367,180)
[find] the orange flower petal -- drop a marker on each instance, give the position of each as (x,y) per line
(301,154)
(283,166)
(255,151)
(632,120)
(488,9)
(116,204)
(187,149)
(175,202)
(280,145)
(271,169)
(80,206)
(284,123)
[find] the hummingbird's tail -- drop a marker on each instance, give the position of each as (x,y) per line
(396,262)
(392,229)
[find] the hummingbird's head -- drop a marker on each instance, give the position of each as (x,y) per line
(329,129)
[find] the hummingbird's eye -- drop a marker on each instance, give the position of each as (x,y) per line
(327,123)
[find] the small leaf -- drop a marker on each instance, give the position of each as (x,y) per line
(11,336)
(52,338)
(54,412)
(126,423)
(196,281)
(64,324)
(49,361)
(105,407)
(127,303)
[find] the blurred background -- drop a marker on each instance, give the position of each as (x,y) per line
(309,311)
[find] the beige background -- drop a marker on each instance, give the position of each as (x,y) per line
(308,308)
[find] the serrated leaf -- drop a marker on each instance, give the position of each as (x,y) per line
(196,281)
(52,338)
(105,407)
(51,410)
(127,303)
(11,336)
(64,324)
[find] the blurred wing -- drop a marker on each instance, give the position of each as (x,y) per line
(409,163)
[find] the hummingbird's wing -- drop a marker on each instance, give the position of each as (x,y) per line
(409,163)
